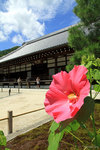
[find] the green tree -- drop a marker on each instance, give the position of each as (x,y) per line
(85,36)
(6,51)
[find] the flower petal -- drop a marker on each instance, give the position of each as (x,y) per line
(78,78)
(62,113)
(62,82)
(77,73)
(54,98)
(74,112)
(85,89)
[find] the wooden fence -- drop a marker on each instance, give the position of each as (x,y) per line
(10,118)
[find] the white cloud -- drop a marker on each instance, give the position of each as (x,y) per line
(26,18)
(17,39)
(2,36)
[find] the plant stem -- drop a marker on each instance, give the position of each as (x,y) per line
(90,84)
(90,91)
(84,127)
(93,122)
(67,143)
(75,137)
(75,141)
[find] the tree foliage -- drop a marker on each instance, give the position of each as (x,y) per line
(4,52)
(85,36)
(88,11)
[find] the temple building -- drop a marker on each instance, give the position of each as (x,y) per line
(41,57)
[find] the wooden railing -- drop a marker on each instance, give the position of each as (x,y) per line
(10,118)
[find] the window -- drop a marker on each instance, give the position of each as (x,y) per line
(51,62)
(60,59)
(28,67)
(22,67)
(61,63)
(51,72)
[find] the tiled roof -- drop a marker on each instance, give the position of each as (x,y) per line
(48,41)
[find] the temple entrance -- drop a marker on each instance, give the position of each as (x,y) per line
(40,70)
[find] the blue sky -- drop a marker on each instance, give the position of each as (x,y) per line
(24,20)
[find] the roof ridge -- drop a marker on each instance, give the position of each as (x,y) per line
(49,35)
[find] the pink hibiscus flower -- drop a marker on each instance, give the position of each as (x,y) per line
(66,93)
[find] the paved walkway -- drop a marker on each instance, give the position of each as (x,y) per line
(25,101)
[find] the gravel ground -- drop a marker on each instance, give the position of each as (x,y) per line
(25,101)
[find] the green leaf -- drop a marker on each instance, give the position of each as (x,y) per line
(68,129)
(54,126)
(74,125)
(96,87)
(89,64)
(98,82)
(54,140)
(2,140)
(65,124)
(91,71)
(86,110)
(7,149)
(97,62)
(98,140)
(97,75)
(69,125)
(98,131)
(1,132)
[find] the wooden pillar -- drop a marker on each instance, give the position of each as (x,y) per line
(8,73)
(15,68)
(66,59)
(10,122)
(25,67)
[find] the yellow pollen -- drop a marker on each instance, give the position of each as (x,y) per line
(72,96)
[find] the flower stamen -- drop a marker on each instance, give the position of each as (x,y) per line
(72,98)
